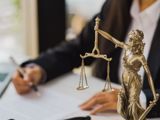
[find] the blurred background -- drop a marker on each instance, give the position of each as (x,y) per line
(29,27)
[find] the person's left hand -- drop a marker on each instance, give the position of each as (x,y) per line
(102,102)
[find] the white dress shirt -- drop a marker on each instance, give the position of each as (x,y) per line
(146,21)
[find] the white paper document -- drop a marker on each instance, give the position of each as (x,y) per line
(49,106)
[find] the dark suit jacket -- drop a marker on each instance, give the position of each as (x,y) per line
(115,19)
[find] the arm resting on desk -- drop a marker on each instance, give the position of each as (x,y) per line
(63,58)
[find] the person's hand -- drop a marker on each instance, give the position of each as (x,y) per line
(33,75)
(102,102)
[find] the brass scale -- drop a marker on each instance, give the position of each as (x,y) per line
(83,84)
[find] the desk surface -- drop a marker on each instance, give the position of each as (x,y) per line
(59,96)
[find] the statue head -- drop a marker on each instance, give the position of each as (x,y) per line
(136,41)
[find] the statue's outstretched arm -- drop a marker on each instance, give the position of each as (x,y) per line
(112,39)
(108,36)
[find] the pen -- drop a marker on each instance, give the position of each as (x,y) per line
(23,74)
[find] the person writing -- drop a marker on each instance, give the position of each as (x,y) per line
(118,17)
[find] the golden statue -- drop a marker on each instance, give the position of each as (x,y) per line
(128,105)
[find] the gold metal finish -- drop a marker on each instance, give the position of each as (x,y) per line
(128,105)
(109,88)
(95,54)
(83,84)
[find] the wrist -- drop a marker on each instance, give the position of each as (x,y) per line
(39,73)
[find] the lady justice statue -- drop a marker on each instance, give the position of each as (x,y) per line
(128,105)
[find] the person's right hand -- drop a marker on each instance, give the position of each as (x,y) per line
(101,102)
(33,75)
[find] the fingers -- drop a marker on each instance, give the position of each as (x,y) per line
(89,104)
(104,108)
(32,76)
(86,102)
(95,100)
(21,86)
(22,89)
(102,101)
(18,80)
